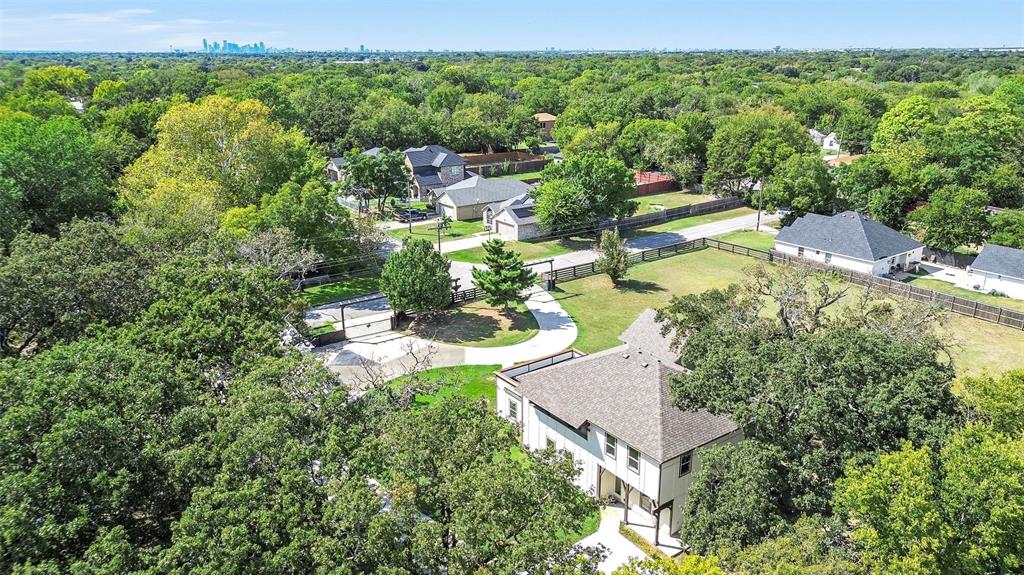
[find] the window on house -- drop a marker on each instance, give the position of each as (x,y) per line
(633,460)
(455,170)
(800,252)
(610,445)
(550,442)
(513,408)
(685,463)
(828,257)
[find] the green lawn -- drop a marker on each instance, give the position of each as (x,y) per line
(550,248)
(349,288)
(472,381)
(523,176)
(458,229)
(602,311)
(477,324)
(529,250)
(945,287)
(690,221)
(668,200)
(750,239)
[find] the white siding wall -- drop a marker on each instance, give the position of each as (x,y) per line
(876,268)
(675,488)
(989,281)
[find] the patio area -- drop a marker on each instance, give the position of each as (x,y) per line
(620,549)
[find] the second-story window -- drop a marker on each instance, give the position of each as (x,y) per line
(633,460)
(685,463)
(611,445)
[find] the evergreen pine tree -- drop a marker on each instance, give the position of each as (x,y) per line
(505,277)
(614,259)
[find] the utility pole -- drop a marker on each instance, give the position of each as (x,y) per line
(760,202)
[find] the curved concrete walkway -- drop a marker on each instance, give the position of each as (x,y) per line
(394,353)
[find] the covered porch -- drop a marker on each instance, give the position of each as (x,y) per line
(639,512)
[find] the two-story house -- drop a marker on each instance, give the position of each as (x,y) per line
(433,168)
(613,412)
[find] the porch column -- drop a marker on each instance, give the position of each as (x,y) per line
(625,505)
(600,472)
(657,524)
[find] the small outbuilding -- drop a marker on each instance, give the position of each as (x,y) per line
(851,241)
(467,200)
(998,269)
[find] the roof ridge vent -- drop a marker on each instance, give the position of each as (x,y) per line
(625,356)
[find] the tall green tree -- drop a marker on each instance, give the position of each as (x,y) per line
(958,510)
(50,173)
(954,217)
(803,184)
(53,289)
(416,278)
(747,147)
(600,187)
(505,278)
(1008,229)
(613,258)
(379,177)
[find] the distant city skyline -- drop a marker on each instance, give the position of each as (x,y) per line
(404,25)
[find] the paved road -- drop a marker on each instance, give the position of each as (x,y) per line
(463,270)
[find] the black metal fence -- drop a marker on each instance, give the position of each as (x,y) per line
(646,220)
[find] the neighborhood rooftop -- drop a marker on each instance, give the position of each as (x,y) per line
(433,155)
(1000,260)
(849,234)
(625,390)
(480,190)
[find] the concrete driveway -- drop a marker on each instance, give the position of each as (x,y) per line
(394,352)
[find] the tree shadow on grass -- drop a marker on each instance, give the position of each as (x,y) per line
(465,327)
(639,286)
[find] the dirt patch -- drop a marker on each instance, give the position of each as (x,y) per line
(475,324)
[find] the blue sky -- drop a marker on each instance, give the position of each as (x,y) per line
(509,25)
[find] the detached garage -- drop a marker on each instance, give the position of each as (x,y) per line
(466,200)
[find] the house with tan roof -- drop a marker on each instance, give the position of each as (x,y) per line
(547,122)
(614,413)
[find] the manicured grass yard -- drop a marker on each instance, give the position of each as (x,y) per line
(750,239)
(945,287)
(523,176)
(689,222)
(529,250)
(471,381)
(667,200)
(458,229)
(602,311)
(349,288)
(550,248)
(477,324)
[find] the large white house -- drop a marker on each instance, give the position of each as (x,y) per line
(849,240)
(613,412)
(998,268)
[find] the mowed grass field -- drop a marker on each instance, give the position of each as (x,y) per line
(668,200)
(946,287)
(602,311)
(458,230)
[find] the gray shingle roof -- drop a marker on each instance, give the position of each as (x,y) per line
(1000,260)
(340,161)
(520,208)
(433,155)
(847,234)
(625,391)
(479,190)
